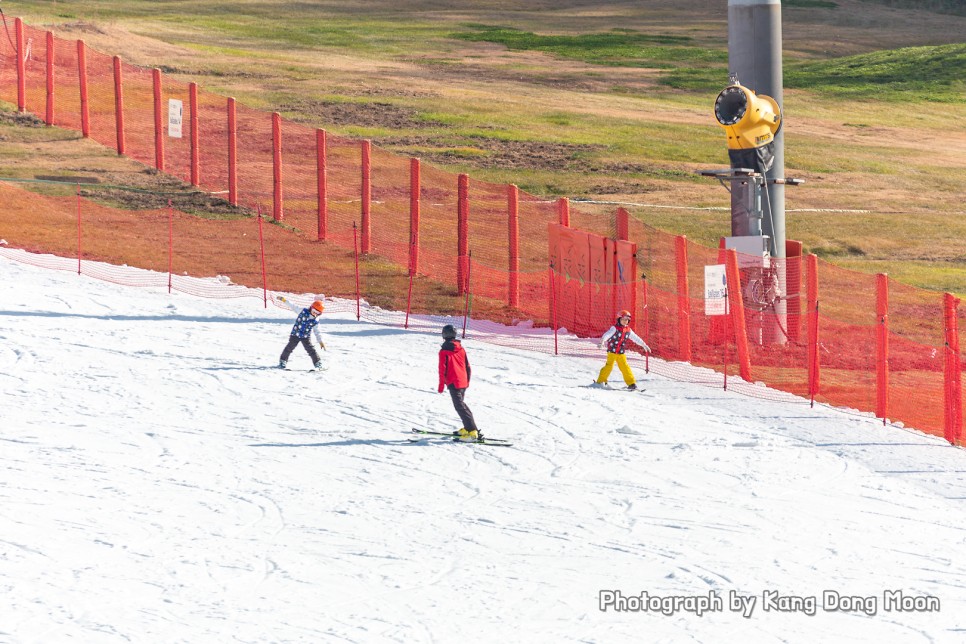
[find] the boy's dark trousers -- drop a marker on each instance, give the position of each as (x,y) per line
(464,412)
(292,341)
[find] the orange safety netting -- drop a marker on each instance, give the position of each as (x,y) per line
(348,219)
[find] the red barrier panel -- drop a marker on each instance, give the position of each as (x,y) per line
(552,278)
(624,276)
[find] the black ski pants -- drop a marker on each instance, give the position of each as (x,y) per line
(464,412)
(306,342)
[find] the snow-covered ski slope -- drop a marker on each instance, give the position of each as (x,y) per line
(161,482)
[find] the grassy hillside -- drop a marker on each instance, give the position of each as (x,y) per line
(906,75)
(954,7)
(608,101)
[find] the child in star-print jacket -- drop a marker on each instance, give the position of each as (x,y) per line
(306,324)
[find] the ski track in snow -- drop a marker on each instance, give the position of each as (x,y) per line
(162,482)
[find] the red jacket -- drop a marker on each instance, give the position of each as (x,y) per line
(454,366)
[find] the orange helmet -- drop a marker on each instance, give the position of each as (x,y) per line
(317,306)
(624,314)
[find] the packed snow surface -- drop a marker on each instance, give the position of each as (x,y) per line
(161,481)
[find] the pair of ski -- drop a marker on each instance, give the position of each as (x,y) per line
(595,385)
(483,440)
(312,370)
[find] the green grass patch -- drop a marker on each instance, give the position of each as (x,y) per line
(618,47)
(916,74)
(911,74)
(955,7)
(708,79)
(268,25)
(907,75)
(808,4)
(936,276)
(560,118)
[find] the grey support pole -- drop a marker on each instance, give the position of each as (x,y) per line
(755,55)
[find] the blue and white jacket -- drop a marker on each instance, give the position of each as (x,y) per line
(305,324)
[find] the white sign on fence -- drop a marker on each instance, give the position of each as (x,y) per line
(715,290)
(175,113)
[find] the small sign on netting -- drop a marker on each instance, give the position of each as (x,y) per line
(715,290)
(175,114)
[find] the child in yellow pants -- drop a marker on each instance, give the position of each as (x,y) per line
(615,339)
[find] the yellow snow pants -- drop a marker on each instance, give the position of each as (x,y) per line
(625,368)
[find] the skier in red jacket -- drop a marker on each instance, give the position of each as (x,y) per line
(454,373)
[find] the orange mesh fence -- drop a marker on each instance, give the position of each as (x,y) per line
(213,155)
(437,247)
(916,340)
(349,219)
(390,206)
(846,353)
(915,314)
(100,98)
(167,240)
(35,68)
(8,72)
(655,255)
(591,222)
(177,149)
(534,215)
(67,94)
(915,387)
(254,169)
